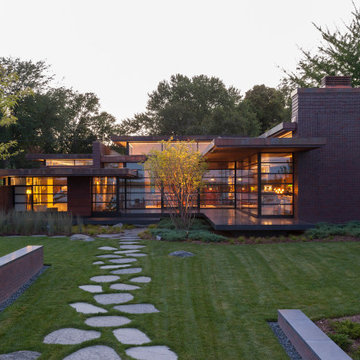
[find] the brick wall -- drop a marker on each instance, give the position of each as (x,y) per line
(79,195)
(6,198)
(328,179)
(17,272)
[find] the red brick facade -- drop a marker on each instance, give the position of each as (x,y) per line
(17,272)
(79,195)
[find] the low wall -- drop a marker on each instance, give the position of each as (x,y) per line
(309,341)
(6,198)
(17,268)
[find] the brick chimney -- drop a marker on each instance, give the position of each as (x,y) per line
(336,82)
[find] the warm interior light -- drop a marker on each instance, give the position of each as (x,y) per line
(279,190)
(28,191)
(212,179)
(268,188)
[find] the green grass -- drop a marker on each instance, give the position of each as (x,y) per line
(214,305)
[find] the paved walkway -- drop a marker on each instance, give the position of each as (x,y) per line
(122,264)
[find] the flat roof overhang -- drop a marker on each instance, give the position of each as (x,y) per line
(40,157)
(230,149)
(122,140)
(68,171)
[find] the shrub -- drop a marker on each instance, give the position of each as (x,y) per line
(326,230)
(347,327)
(169,234)
(241,239)
(342,340)
(205,236)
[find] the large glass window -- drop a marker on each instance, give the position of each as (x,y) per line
(277,184)
(104,194)
(247,184)
(219,189)
(67,162)
(142,192)
(40,193)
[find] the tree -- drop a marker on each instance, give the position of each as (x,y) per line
(52,119)
(337,54)
(178,169)
(184,106)
(8,100)
(268,105)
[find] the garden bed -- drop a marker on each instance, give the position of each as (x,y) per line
(345,331)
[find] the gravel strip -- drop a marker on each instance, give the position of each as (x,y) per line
(284,341)
(22,289)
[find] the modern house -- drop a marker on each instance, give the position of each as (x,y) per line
(294,175)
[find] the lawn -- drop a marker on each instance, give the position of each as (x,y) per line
(212,306)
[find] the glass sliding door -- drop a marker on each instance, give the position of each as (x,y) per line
(277,184)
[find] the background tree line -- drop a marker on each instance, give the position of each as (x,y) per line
(53,119)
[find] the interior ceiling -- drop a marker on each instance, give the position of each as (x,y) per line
(232,154)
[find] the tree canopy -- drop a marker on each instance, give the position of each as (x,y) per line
(197,105)
(337,54)
(51,119)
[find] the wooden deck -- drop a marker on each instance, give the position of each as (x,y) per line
(234,220)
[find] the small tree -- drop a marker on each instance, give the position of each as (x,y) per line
(178,170)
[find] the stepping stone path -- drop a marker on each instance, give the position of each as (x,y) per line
(127,271)
(98,263)
(105,278)
(107,321)
(21,355)
(70,336)
(131,336)
(141,279)
(126,336)
(124,287)
(131,247)
(86,308)
(122,261)
(110,248)
(151,353)
(92,288)
(137,308)
(107,299)
(96,352)
(105,267)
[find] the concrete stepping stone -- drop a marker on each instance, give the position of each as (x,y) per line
(70,336)
(104,278)
(126,251)
(86,308)
(124,287)
(113,266)
(127,271)
(107,321)
(91,288)
(98,263)
(107,248)
(141,279)
(107,299)
(81,237)
(131,336)
(122,261)
(137,308)
(137,255)
(108,256)
(131,247)
(94,353)
(109,236)
(151,353)
(21,355)
(129,242)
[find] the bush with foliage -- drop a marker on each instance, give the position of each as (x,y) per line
(342,340)
(325,230)
(347,327)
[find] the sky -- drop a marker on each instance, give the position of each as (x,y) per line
(121,50)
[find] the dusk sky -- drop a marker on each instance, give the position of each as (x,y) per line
(120,50)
